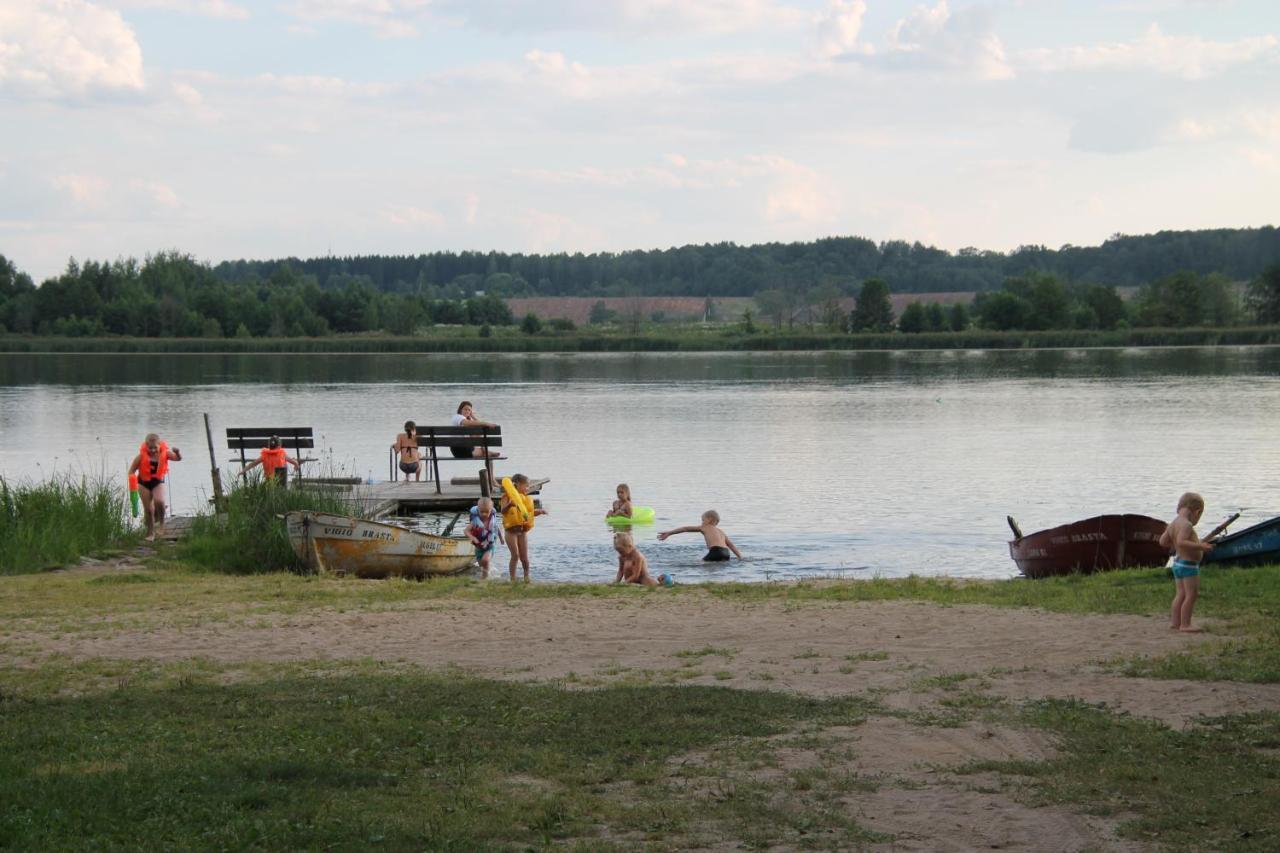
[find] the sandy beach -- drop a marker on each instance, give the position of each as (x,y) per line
(907,656)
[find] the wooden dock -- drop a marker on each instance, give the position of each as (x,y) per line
(374,500)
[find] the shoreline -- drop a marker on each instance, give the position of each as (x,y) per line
(696,341)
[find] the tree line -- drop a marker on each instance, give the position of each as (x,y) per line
(1042,302)
(727,269)
(174,295)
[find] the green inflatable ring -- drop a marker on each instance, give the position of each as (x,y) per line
(639,515)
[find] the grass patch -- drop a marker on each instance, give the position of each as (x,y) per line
(707,651)
(358,756)
(866,656)
(50,524)
(250,536)
(1211,787)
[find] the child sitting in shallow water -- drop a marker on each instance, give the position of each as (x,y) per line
(632,566)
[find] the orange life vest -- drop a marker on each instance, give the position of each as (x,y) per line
(145,472)
(272,459)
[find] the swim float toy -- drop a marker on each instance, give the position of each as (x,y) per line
(519,512)
(639,515)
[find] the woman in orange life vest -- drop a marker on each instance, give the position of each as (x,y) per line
(151,465)
(274,462)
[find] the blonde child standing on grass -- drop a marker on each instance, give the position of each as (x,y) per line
(1180,535)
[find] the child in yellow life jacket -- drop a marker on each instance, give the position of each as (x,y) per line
(518,512)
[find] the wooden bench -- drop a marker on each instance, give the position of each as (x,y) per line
(433,439)
(295,439)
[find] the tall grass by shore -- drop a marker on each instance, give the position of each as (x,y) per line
(50,524)
(680,339)
(250,536)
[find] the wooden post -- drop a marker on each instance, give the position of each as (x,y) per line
(219,500)
(486,485)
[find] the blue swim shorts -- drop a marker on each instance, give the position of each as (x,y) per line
(1185,569)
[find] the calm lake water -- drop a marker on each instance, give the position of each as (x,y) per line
(820,464)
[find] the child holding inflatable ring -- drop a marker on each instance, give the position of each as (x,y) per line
(518,513)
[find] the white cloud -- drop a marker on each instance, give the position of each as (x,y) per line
(624,17)
(471,209)
(838,27)
(223,9)
(1188,57)
(406,216)
(388,18)
(83,190)
(67,49)
(780,189)
(161,195)
(933,38)
(575,80)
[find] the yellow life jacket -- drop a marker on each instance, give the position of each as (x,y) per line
(519,511)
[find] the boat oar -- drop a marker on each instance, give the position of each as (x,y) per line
(1221,527)
(449,529)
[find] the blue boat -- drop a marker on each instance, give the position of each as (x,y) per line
(1254,546)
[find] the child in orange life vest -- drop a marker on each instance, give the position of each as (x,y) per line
(274,462)
(518,512)
(152,465)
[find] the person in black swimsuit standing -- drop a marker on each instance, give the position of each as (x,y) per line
(152,465)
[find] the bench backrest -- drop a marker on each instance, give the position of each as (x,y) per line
(252,438)
(459,436)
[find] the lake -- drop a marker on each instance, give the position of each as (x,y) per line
(820,464)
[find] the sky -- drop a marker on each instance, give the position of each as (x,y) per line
(233,129)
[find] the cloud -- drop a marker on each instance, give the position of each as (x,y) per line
(575,80)
(83,190)
(624,17)
(406,216)
(932,38)
(387,18)
(1188,57)
(223,9)
(779,189)
(838,27)
(67,49)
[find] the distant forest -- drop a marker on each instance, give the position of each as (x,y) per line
(1185,279)
(727,269)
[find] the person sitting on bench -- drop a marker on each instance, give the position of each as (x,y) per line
(274,461)
(466,416)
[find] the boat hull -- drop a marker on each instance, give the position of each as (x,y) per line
(1097,544)
(1254,546)
(341,545)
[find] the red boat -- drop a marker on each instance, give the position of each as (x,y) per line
(1094,545)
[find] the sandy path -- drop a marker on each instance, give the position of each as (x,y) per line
(895,649)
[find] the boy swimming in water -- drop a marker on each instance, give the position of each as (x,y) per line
(1180,535)
(718,544)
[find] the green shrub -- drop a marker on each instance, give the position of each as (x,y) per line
(57,522)
(250,536)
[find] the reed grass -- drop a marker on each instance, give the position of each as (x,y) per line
(50,524)
(250,536)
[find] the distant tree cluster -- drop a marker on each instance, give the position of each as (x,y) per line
(791,269)
(173,295)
